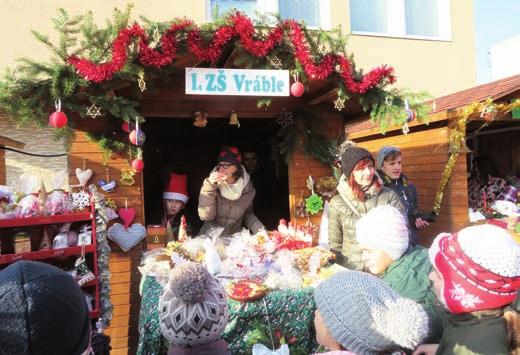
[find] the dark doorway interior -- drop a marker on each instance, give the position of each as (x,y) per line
(175,145)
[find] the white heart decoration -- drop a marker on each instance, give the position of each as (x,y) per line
(83,176)
(126,239)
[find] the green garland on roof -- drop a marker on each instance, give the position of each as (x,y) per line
(28,91)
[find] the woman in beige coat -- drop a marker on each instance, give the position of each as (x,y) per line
(226,197)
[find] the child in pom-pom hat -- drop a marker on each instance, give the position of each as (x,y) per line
(476,277)
(193,312)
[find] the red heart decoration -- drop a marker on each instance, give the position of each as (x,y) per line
(127,215)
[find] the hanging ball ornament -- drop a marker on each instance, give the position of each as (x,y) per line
(297,89)
(410,115)
(138,164)
(137,137)
(125,126)
(58,119)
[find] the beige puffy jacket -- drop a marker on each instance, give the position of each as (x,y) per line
(217,211)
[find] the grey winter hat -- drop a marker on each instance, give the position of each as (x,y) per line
(366,316)
(382,153)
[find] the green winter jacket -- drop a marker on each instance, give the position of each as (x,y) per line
(475,333)
(342,219)
(408,276)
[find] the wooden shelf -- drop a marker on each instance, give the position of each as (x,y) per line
(45,254)
(91,287)
(38,220)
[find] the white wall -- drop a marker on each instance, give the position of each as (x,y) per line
(504,58)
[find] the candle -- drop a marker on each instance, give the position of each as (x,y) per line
(484,202)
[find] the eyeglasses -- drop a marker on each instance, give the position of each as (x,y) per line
(224,165)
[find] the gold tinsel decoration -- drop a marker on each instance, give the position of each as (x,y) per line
(458,140)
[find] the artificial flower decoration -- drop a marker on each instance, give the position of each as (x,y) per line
(313,204)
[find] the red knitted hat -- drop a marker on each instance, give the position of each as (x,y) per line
(480,266)
(177,188)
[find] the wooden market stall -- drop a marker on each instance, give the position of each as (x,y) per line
(167,102)
(9,143)
(428,146)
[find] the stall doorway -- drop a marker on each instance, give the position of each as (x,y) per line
(176,145)
(494,151)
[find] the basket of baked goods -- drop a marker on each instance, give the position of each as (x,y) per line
(246,290)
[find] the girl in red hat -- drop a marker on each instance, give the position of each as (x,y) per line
(175,197)
(476,276)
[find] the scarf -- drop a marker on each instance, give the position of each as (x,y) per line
(234,191)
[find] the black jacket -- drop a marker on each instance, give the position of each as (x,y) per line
(408,195)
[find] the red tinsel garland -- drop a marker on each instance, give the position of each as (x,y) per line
(239,26)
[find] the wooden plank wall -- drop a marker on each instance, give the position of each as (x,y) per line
(125,277)
(301,166)
(425,154)
(2,167)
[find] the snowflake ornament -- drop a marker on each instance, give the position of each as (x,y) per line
(285,119)
(275,62)
(80,200)
(339,103)
(93,111)
(142,84)
(465,299)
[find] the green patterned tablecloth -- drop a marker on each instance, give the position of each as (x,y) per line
(290,312)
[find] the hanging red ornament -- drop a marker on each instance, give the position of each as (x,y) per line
(138,164)
(58,119)
(297,89)
(125,126)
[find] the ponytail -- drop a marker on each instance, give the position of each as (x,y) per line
(512,318)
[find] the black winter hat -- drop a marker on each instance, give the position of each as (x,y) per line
(42,311)
(351,156)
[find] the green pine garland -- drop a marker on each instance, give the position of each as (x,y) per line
(28,92)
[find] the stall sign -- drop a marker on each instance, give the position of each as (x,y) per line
(244,82)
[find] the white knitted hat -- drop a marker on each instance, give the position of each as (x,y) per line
(366,316)
(491,247)
(384,228)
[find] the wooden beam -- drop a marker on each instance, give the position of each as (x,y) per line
(374,129)
(8,142)
(323,96)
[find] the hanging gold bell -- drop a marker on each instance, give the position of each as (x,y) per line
(233,119)
(200,119)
